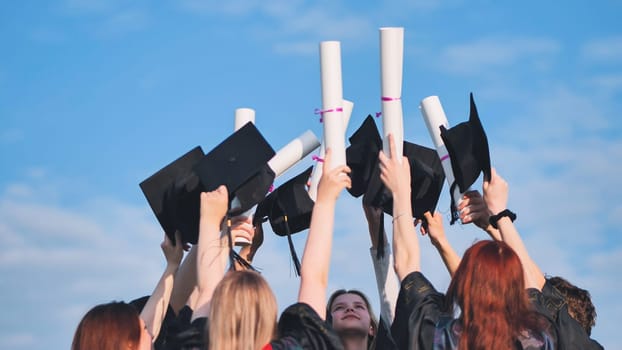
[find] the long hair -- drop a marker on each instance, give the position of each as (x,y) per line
(374,322)
(579,302)
(489,289)
(243,312)
(111,326)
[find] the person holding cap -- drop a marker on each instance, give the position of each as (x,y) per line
(238,309)
(488,287)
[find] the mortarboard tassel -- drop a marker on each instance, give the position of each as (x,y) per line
(292,249)
(455,215)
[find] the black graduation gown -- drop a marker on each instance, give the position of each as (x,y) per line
(569,333)
(299,327)
(420,323)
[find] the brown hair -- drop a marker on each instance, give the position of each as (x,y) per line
(579,302)
(489,288)
(111,326)
(374,323)
(243,312)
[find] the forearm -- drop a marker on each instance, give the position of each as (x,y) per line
(405,241)
(316,257)
(450,258)
(493,233)
(185,280)
(155,309)
(211,265)
(534,278)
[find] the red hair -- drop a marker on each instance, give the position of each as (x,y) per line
(111,326)
(489,288)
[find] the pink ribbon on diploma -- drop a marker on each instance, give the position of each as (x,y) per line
(385,98)
(321,112)
(317,159)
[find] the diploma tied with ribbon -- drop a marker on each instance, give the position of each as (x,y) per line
(391,68)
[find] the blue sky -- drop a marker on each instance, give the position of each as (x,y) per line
(97,95)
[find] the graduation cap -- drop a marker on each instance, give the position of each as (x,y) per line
(174,196)
(467,146)
(362,155)
(426,181)
(288,208)
(240,163)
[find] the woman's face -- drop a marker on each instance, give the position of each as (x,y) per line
(145,337)
(350,314)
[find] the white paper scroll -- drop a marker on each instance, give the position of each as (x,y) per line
(243,116)
(434,117)
(316,174)
(391,63)
(332,101)
(293,152)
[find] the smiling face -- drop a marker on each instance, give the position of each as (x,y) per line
(350,314)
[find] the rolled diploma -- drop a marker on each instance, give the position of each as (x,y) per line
(391,63)
(332,99)
(293,152)
(316,174)
(434,117)
(243,116)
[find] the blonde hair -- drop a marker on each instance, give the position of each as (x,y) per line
(243,312)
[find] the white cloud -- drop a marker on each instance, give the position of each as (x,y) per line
(293,25)
(122,22)
(488,53)
(606,50)
(610,82)
(11,136)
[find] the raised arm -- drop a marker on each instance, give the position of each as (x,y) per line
(473,209)
(212,257)
(396,177)
(436,232)
(185,281)
(155,309)
(386,280)
(496,198)
(316,257)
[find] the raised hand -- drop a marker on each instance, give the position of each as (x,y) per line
(333,181)
(214,204)
(173,253)
(496,193)
(395,175)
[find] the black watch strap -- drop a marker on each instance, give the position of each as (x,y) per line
(494,218)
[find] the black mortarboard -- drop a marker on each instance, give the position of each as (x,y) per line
(240,163)
(467,146)
(362,155)
(288,208)
(426,179)
(174,196)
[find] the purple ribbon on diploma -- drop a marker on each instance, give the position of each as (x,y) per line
(385,98)
(318,159)
(321,112)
